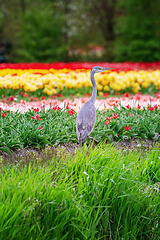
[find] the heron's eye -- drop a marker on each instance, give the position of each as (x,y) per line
(99,68)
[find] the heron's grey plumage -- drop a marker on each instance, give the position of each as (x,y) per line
(86,117)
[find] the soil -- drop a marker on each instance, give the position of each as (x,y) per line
(28,154)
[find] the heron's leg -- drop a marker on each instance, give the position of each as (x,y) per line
(93,139)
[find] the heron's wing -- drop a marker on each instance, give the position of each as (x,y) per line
(85,121)
(86,117)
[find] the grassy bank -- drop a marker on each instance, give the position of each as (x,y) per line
(97,194)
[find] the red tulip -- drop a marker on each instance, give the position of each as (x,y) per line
(56,108)
(139,106)
(4,114)
(36,109)
(151,108)
(106,122)
(71,112)
(37,117)
(128,128)
(128,106)
(115,116)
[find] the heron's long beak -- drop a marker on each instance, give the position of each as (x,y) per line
(105,69)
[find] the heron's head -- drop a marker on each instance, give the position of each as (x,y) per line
(98,69)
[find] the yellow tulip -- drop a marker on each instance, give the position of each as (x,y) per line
(106,88)
(100,93)
(60,85)
(52,79)
(54,91)
(99,87)
(145,84)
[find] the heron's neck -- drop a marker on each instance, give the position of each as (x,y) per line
(94,93)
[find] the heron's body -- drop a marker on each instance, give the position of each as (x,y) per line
(86,117)
(85,121)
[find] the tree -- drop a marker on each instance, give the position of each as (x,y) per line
(10,11)
(81,25)
(41,36)
(137,31)
(103,12)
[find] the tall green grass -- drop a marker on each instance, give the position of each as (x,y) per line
(99,193)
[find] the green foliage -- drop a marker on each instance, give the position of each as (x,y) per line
(98,194)
(61,30)
(41,37)
(20,130)
(152,166)
(137,31)
(143,124)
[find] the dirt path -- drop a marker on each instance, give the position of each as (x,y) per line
(30,154)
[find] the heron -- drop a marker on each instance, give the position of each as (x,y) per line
(86,117)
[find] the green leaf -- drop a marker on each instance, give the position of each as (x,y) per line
(5,149)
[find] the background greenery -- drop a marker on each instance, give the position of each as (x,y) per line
(63,30)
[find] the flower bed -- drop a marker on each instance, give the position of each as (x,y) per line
(133,101)
(36,127)
(78,65)
(53,78)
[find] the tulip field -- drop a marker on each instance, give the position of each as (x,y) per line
(60,81)
(54,80)
(96,191)
(39,102)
